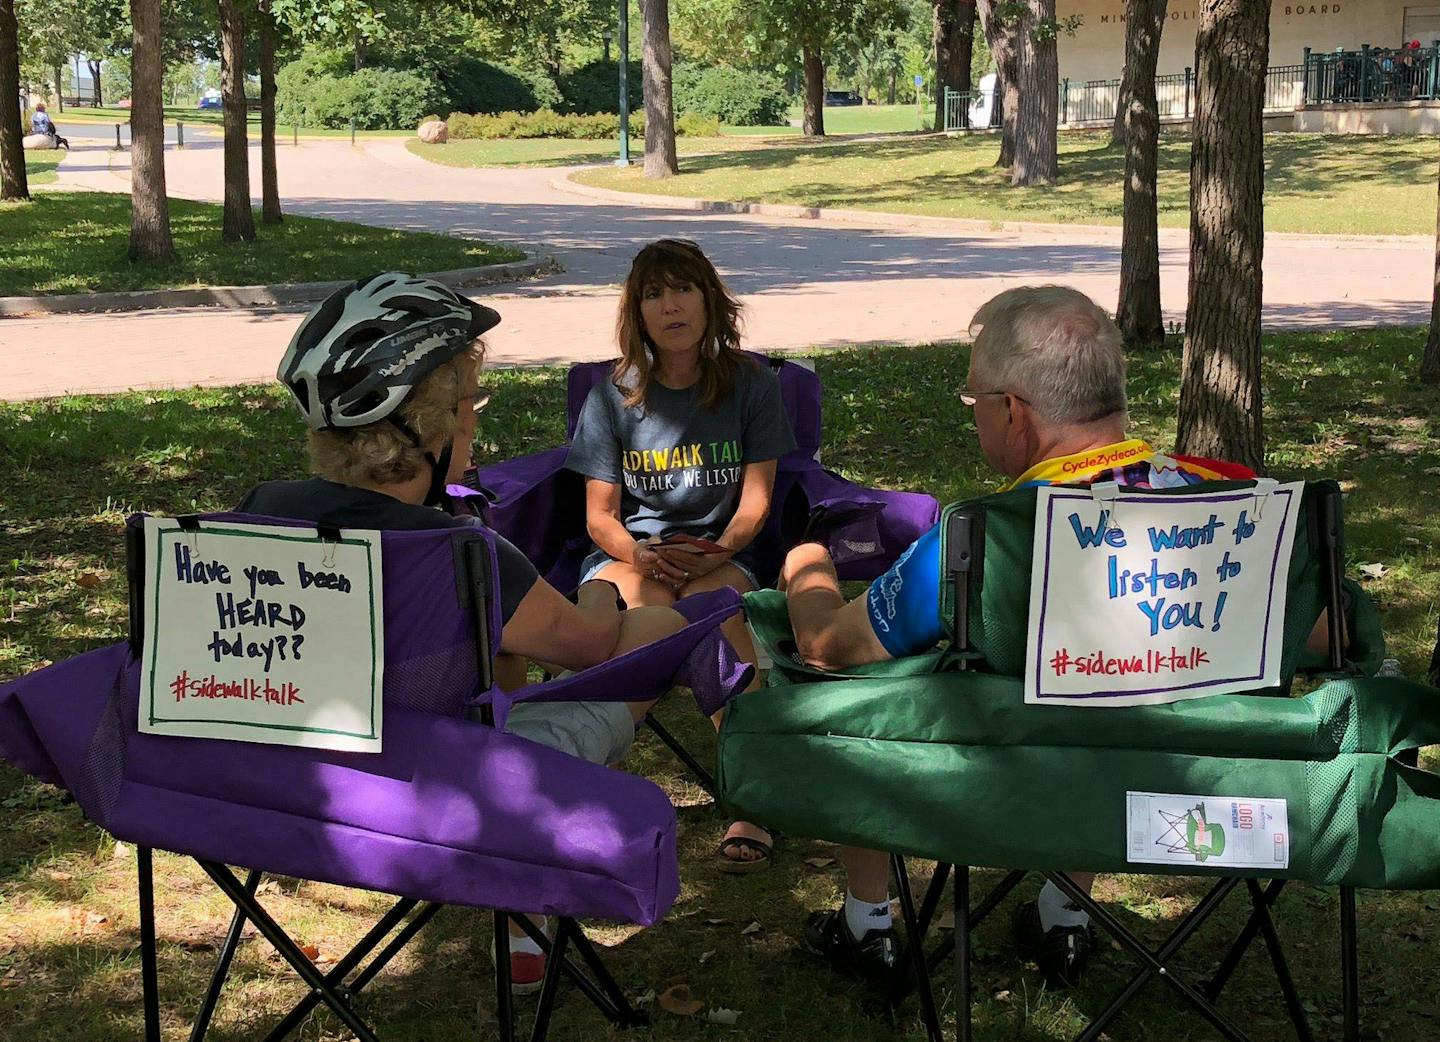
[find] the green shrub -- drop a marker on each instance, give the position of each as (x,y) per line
(596,88)
(738,97)
(474,86)
(376,99)
(597,126)
(692,124)
(295,81)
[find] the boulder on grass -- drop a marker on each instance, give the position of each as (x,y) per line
(38,142)
(434,132)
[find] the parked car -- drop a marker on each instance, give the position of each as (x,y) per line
(123,103)
(209,100)
(843,97)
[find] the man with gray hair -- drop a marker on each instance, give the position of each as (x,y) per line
(1047,384)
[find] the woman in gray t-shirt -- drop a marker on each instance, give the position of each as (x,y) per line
(682,440)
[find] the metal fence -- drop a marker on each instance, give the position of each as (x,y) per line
(1371,74)
(1095,101)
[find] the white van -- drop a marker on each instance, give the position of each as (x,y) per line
(984,111)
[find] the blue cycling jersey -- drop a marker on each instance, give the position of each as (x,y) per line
(904,603)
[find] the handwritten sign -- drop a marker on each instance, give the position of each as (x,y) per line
(1218,831)
(260,633)
(1142,598)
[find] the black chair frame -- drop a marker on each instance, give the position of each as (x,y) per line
(965,539)
(338,986)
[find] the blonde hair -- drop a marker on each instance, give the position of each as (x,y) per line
(1054,347)
(379,453)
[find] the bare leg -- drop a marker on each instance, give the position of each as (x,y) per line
(867,873)
(738,634)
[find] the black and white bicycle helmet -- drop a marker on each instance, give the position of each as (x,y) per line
(365,347)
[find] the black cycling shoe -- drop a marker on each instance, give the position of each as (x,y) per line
(1061,952)
(872,958)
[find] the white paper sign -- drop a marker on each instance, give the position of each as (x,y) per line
(261,633)
(1217,831)
(1138,598)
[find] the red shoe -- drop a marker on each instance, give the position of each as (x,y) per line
(527,969)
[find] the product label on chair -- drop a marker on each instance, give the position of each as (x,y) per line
(259,633)
(1139,598)
(1215,831)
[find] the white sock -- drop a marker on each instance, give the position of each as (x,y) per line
(863,916)
(524,943)
(1057,910)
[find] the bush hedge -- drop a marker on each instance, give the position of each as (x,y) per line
(473,85)
(733,96)
(376,99)
(548,123)
(595,88)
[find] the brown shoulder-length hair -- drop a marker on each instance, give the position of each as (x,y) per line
(676,263)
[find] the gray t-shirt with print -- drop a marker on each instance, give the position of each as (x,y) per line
(678,465)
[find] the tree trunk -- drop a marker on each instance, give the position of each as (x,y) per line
(890,93)
(150,240)
(1138,313)
(269,176)
(953,28)
(60,88)
(238,221)
(1430,364)
(95,79)
(1000,34)
(660,160)
(1122,102)
(359,52)
(1220,398)
(1038,62)
(13,183)
(812,123)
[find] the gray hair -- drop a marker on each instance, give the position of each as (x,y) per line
(1054,347)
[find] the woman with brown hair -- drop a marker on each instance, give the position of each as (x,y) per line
(679,449)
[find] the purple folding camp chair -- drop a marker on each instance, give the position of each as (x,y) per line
(540,507)
(453,811)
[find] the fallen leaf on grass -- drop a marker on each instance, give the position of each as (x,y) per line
(819,862)
(94,920)
(707,956)
(310,952)
(87,580)
(946,920)
(120,852)
(716,922)
(728,1017)
(1413,933)
(61,877)
(752,928)
(267,887)
(646,997)
(1374,570)
(1002,996)
(678,1000)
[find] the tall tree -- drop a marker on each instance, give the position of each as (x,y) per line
(1220,399)
(13,183)
(812,117)
(1002,38)
(1430,364)
(270,212)
(954,41)
(238,220)
(1036,148)
(150,239)
(660,158)
(1138,313)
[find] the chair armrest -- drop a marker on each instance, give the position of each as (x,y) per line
(865,529)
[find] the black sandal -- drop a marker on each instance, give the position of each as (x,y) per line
(738,866)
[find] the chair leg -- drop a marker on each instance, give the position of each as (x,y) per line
(1278,961)
(556,959)
(703,776)
(1242,942)
(962,953)
(626,1015)
(149,974)
(1349,965)
(1153,961)
(915,942)
(222,964)
(504,1006)
(289,951)
(933,895)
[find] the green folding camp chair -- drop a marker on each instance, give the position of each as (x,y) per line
(882,756)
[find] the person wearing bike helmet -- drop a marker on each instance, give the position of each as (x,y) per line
(385,373)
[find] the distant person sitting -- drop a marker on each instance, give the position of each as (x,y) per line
(41,123)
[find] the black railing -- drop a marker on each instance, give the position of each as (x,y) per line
(1371,75)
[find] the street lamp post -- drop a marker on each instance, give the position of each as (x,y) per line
(607,36)
(624,41)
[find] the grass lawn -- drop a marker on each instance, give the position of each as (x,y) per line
(75,242)
(41,167)
(1359,185)
(211,118)
(562,152)
(1342,404)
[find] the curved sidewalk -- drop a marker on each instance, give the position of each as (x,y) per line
(805,282)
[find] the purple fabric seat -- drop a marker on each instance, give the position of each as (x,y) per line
(540,507)
(452,811)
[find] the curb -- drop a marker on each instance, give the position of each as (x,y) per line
(252,296)
(883,219)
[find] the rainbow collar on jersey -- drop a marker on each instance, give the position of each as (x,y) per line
(1079,468)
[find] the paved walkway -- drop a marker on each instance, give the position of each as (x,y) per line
(804,283)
